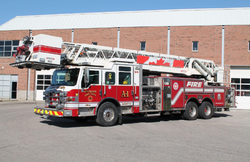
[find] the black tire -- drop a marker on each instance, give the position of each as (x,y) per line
(206,110)
(107,114)
(191,111)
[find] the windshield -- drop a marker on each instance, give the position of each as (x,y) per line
(65,77)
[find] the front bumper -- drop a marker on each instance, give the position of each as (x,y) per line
(52,112)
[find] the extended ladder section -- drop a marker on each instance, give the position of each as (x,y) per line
(95,55)
(44,52)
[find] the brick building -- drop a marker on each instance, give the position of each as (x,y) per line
(221,35)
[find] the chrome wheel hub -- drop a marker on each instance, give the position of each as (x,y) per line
(108,115)
(207,110)
(192,111)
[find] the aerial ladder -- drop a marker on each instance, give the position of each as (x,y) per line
(44,52)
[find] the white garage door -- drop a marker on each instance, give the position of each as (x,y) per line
(43,80)
(8,86)
(5,81)
(240,78)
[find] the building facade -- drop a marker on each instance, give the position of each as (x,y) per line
(212,34)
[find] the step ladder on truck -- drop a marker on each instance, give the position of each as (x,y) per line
(106,83)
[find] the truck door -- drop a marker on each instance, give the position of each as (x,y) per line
(89,94)
(125,87)
(109,84)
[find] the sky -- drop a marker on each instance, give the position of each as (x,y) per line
(12,8)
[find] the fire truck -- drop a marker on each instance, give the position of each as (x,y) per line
(106,83)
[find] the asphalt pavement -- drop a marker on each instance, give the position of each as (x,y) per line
(25,136)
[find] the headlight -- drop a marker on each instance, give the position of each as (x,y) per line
(59,107)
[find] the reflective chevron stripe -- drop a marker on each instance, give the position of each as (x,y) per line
(48,112)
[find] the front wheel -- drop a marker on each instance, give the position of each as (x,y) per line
(206,110)
(107,114)
(191,111)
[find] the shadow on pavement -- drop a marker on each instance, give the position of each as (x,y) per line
(219,115)
(132,120)
(68,123)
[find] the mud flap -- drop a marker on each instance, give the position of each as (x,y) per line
(120,118)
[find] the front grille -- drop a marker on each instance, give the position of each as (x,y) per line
(52,99)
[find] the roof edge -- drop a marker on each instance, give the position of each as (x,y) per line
(136,11)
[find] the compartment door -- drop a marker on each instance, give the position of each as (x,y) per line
(177,96)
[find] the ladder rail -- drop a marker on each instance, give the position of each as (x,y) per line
(128,51)
(77,51)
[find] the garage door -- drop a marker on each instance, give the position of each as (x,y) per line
(8,86)
(240,78)
(43,80)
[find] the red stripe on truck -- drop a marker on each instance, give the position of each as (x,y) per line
(47,49)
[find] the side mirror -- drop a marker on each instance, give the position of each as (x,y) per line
(86,76)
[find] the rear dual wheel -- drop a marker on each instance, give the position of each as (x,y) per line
(191,112)
(206,110)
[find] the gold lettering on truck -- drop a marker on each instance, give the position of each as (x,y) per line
(90,93)
(124,94)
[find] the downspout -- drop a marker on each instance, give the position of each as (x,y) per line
(168,40)
(118,37)
(28,95)
(222,50)
(72,36)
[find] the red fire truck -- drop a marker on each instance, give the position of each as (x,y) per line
(108,83)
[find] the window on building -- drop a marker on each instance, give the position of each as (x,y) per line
(242,86)
(43,82)
(195,46)
(8,47)
(248,46)
(94,43)
(143,46)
